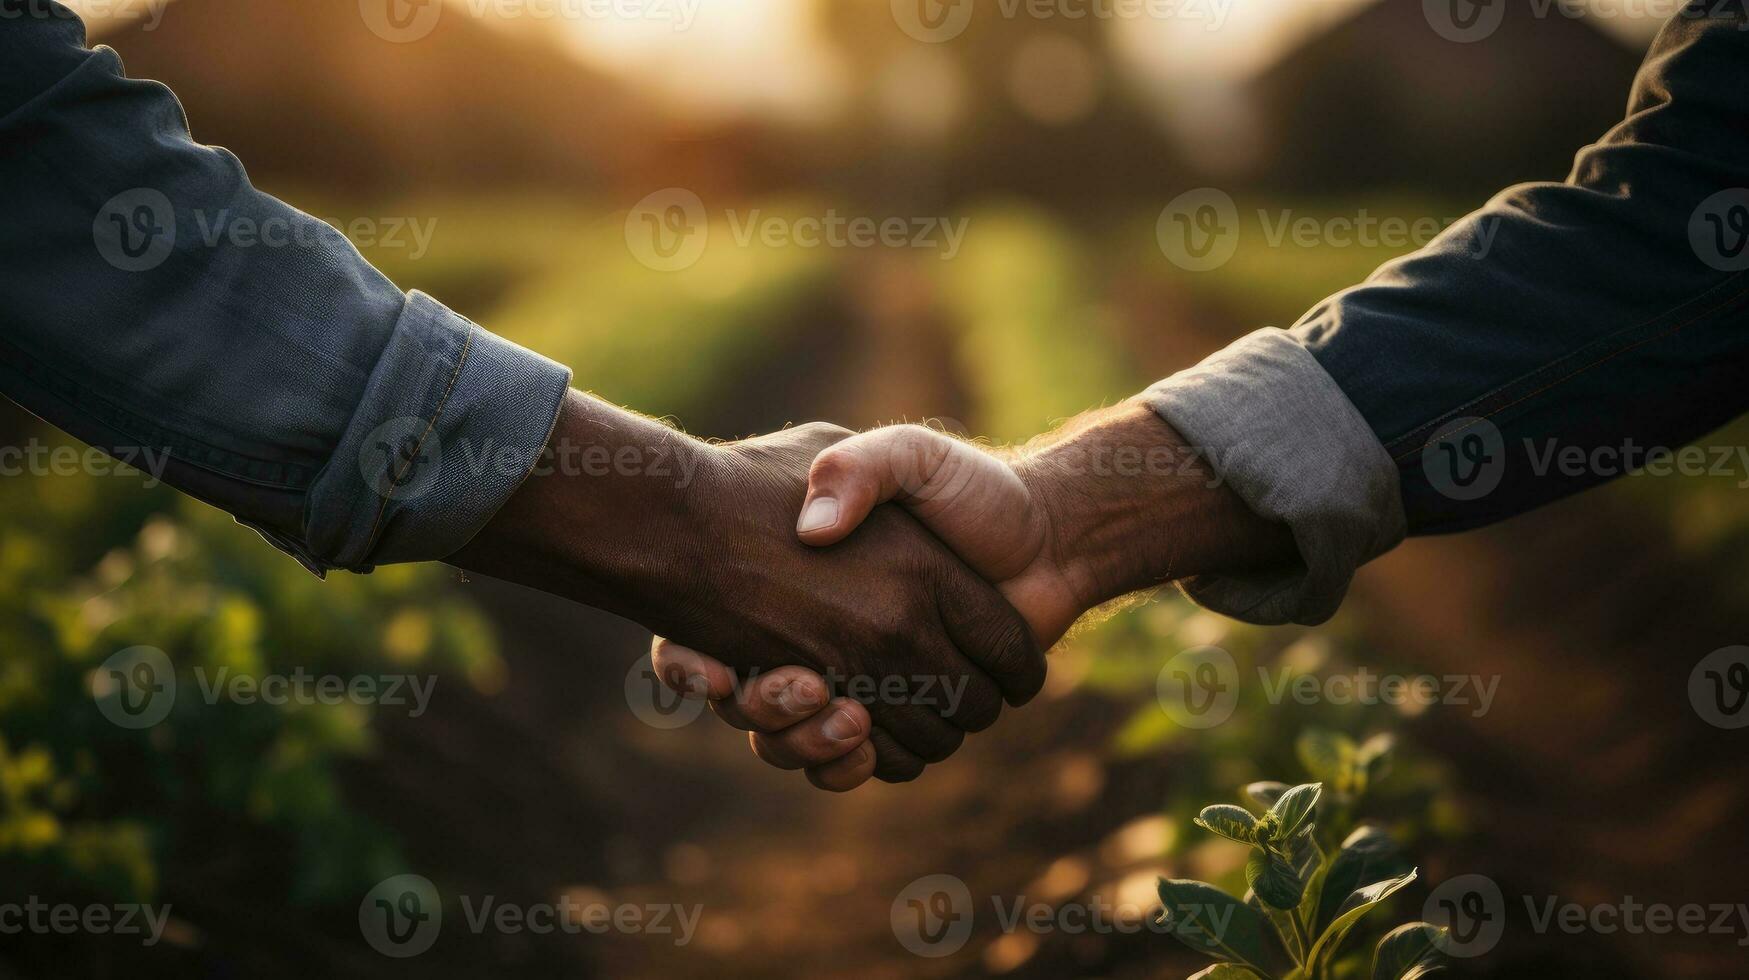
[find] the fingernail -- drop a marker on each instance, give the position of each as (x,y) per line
(821,512)
(697,687)
(842,726)
(798,698)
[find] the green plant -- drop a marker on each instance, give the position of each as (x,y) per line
(1306,893)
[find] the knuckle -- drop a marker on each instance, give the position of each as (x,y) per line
(940,748)
(823,433)
(977,714)
(898,771)
(832,465)
(771,751)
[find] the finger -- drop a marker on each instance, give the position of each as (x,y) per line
(846,773)
(893,762)
(777,699)
(689,672)
(991,634)
(968,497)
(831,734)
(919,729)
(849,479)
(962,693)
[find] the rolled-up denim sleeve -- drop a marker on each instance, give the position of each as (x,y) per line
(161,308)
(1605,318)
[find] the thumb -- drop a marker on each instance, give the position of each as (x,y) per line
(970,499)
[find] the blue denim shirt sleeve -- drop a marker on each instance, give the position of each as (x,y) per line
(1599,314)
(277,374)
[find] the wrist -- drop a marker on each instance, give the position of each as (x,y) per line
(604,515)
(1131,506)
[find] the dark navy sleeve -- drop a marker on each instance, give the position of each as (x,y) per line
(1597,319)
(276,374)
(1563,335)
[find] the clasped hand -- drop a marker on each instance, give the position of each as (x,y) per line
(1054,530)
(859,603)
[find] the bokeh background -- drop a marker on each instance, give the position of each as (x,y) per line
(523,143)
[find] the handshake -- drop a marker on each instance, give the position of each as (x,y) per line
(859,603)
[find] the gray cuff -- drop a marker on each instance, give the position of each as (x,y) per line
(1280,432)
(452,421)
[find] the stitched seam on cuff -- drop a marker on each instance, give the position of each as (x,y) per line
(430,426)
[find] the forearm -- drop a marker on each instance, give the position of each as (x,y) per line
(606,518)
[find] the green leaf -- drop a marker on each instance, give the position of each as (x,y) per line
(1226,971)
(1367,856)
(1409,952)
(1274,880)
(1358,904)
(1231,822)
(1266,793)
(1328,756)
(1295,806)
(1216,924)
(1283,923)
(1373,759)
